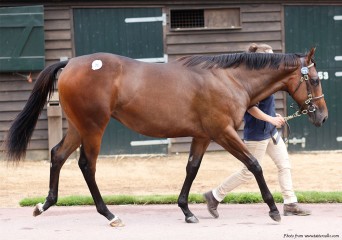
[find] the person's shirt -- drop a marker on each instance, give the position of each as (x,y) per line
(257,130)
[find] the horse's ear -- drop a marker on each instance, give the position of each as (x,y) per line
(310,55)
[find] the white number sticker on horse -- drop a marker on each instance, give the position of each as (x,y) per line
(96,65)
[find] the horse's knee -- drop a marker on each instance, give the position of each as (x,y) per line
(255,168)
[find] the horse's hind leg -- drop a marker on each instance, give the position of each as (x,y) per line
(87,163)
(59,154)
(231,141)
(198,148)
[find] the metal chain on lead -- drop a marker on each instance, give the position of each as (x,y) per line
(296,114)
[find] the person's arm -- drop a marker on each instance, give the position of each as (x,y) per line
(277,121)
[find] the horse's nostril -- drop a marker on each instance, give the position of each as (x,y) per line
(325,119)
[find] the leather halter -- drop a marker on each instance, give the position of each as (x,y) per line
(311,107)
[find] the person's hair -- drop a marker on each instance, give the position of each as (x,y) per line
(260,48)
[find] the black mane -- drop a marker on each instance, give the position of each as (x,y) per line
(250,60)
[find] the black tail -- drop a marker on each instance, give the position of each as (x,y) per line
(22,128)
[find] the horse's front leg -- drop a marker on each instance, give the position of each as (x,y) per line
(230,140)
(198,148)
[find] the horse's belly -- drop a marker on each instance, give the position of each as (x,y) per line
(156,123)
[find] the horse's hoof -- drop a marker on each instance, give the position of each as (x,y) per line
(116,222)
(38,210)
(191,219)
(275,216)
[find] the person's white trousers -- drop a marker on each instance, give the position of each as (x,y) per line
(280,157)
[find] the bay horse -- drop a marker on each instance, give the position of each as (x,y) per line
(204,97)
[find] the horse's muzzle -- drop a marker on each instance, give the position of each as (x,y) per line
(317,118)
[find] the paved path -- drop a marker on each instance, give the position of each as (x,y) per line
(163,222)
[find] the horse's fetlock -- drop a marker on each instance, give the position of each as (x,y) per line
(181,203)
(103,210)
(51,199)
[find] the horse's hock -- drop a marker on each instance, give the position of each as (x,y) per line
(55,128)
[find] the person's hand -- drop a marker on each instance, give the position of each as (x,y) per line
(278,120)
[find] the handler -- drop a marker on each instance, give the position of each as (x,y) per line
(261,137)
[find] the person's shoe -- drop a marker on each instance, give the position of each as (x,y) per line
(295,209)
(212,204)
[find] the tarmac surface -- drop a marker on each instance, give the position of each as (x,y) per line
(163,222)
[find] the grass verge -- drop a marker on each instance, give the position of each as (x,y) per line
(235,198)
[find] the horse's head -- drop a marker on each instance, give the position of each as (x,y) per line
(309,96)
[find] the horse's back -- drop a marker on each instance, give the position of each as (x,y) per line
(133,92)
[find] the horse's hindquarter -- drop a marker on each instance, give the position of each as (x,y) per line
(86,90)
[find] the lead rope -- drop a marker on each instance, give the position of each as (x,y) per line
(296,114)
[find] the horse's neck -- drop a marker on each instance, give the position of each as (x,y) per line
(263,83)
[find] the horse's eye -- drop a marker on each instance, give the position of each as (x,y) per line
(314,81)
